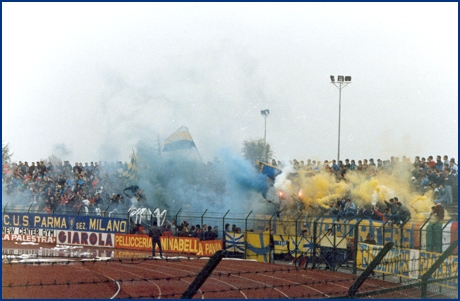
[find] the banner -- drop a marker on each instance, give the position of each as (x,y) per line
(407,263)
(281,243)
(234,242)
(169,244)
(83,238)
(65,222)
(299,245)
(414,264)
(29,235)
(258,246)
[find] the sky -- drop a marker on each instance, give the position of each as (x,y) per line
(91,81)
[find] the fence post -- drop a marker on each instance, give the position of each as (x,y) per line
(401,228)
(355,286)
(223,231)
(315,241)
(296,235)
(355,245)
(421,230)
(246,222)
(203,275)
(177,214)
(202,217)
(434,267)
(270,222)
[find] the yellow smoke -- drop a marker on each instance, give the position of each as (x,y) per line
(320,189)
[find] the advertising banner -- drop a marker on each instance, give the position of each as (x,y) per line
(169,244)
(65,222)
(28,235)
(83,238)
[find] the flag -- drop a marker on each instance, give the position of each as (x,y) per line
(269,170)
(234,242)
(258,246)
(131,174)
(180,139)
(301,245)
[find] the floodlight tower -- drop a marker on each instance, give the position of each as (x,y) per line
(342,82)
(265,113)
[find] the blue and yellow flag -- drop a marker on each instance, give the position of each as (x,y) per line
(258,246)
(281,243)
(131,174)
(299,245)
(234,242)
(268,170)
(180,139)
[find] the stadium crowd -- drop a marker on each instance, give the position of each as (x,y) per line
(63,187)
(440,176)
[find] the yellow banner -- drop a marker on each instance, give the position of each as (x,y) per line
(258,246)
(407,263)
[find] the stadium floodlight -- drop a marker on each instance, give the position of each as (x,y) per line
(265,113)
(342,82)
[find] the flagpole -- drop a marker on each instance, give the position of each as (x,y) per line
(199,154)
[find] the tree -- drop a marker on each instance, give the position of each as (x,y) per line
(254,149)
(6,155)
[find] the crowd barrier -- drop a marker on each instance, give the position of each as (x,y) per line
(112,232)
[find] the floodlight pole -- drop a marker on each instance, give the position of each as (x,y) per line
(265,113)
(340,83)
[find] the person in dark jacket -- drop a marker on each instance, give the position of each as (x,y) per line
(155,234)
(210,235)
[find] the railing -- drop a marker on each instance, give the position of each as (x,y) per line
(413,234)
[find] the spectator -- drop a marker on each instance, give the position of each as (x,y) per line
(209,234)
(193,232)
(439,164)
(391,205)
(383,216)
(155,234)
(438,213)
(348,212)
(370,239)
(198,230)
(402,214)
